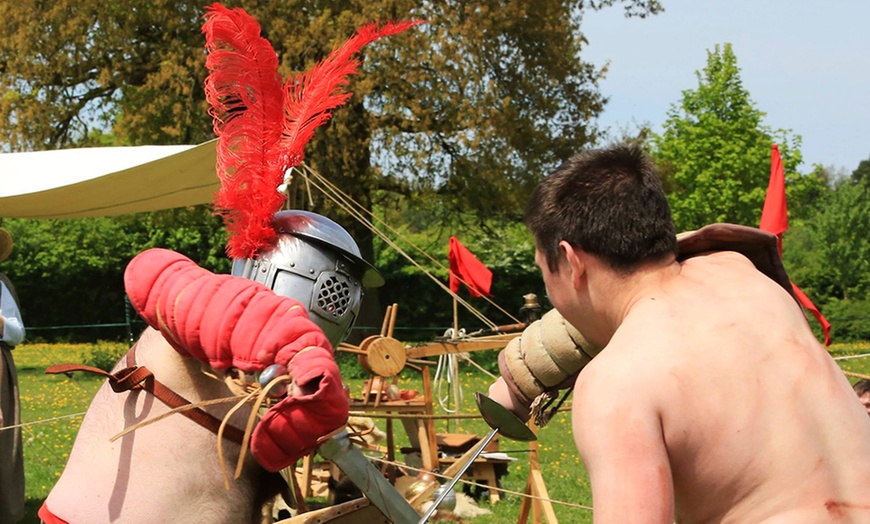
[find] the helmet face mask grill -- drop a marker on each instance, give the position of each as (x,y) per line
(332,295)
(316,262)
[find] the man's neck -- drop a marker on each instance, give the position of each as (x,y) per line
(613,295)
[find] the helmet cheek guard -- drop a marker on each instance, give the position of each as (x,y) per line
(316,262)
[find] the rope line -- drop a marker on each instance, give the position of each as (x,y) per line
(342,201)
(43,421)
(59,461)
(44,445)
(487,486)
(847,357)
(192,405)
(346,202)
(478,366)
(424,416)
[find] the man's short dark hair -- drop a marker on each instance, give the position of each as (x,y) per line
(862,386)
(608,202)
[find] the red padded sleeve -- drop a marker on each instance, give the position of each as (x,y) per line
(228,321)
(222,320)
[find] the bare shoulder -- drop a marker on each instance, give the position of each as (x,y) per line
(715,266)
(719,257)
(625,367)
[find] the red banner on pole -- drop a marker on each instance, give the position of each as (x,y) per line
(774,214)
(465,267)
(774,219)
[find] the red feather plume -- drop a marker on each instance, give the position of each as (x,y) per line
(243,90)
(262,127)
(310,97)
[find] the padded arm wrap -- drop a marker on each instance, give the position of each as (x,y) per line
(290,429)
(548,355)
(227,321)
(221,320)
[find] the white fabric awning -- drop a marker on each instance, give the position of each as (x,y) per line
(103,181)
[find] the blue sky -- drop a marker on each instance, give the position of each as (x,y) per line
(805,64)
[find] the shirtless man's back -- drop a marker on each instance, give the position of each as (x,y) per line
(708,398)
(715,378)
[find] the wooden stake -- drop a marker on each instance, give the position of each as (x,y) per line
(428,443)
(536,487)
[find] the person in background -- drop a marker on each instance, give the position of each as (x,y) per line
(862,389)
(11,459)
(744,417)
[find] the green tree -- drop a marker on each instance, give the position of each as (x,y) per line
(862,172)
(196,232)
(70,272)
(483,97)
(806,192)
(714,152)
(839,236)
(505,247)
(827,256)
(70,67)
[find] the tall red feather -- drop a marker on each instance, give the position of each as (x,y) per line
(243,89)
(262,127)
(310,97)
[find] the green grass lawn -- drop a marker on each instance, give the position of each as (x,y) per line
(52,408)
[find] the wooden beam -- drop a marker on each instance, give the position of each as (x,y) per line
(466,346)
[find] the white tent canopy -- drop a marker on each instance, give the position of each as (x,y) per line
(102,181)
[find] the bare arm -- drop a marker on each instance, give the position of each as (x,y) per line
(619,436)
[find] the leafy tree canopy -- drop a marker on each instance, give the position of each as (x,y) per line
(714,152)
(476,105)
(70,272)
(839,236)
(862,172)
(473,107)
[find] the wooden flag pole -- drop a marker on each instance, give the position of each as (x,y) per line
(457,405)
(451,367)
(455,317)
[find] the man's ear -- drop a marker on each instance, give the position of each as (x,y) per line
(576,262)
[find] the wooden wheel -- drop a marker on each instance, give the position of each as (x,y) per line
(382,356)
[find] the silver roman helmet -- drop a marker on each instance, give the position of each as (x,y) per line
(316,262)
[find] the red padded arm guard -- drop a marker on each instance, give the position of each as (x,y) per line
(221,320)
(226,321)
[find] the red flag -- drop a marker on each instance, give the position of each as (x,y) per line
(466,267)
(774,219)
(774,215)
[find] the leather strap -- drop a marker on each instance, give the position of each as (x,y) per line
(135,378)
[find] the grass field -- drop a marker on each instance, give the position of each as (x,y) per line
(52,409)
